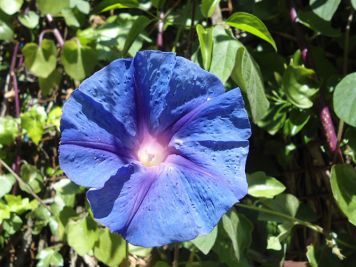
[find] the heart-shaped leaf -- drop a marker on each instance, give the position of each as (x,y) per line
(345,99)
(78,60)
(40,60)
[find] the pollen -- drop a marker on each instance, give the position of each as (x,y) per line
(151,153)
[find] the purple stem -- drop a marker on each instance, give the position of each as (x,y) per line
(16,166)
(324,112)
(56,32)
(159,40)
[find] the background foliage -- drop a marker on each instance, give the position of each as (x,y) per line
(293,61)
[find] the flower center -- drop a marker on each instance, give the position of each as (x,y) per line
(151,153)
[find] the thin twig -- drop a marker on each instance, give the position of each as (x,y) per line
(21,181)
(56,32)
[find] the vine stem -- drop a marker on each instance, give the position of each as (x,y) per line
(159,41)
(17,104)
(29,188)
(56,32)
(126,253)
(316,228)
(324,110)
(176,255)
(345,65)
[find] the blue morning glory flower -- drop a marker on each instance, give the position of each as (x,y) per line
(160,144)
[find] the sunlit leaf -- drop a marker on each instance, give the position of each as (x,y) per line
(206,242)
(224,53)
(52,7)
(299,84)
(248,77)
(108,5)
(40,60)
(78,60)
(32,177)
(251,24)
(10,7)
(208,7)
(49,257)
(29,19)
(345,99)
(6,182)
(325,9)
(33,121)
(109,248)
(9,129)
(82,235)
(205,37)
(261,185)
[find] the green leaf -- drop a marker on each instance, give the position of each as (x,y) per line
(343,186)
(299,84)
(29,19)
(274,243)
(10,7)
(208,7)
(33,121)
(353,3)
(49,257)
(6,182)
(345,98)
(70,17)
(52,7)
(206,242)
(250,23)
(82,235)
(224,53)
(31,176)
(79,61)
(50,83)
(54,117)
(41,60)
(82,5)
(325,9)
(312,21)
(261,185)
(109,248)
(283,203)
(239,230)
(19,205)
(9,129)
(205,37)
(137,27)
(247,75)
(6,33)
(295,122)
(274,119)
(108,5)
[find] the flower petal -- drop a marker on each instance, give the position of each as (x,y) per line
(216,135)
(98,126)
(89,164)
(169,87)
(172,203)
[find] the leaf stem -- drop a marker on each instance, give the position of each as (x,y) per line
(315,228)
(56,32)
(126,254)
